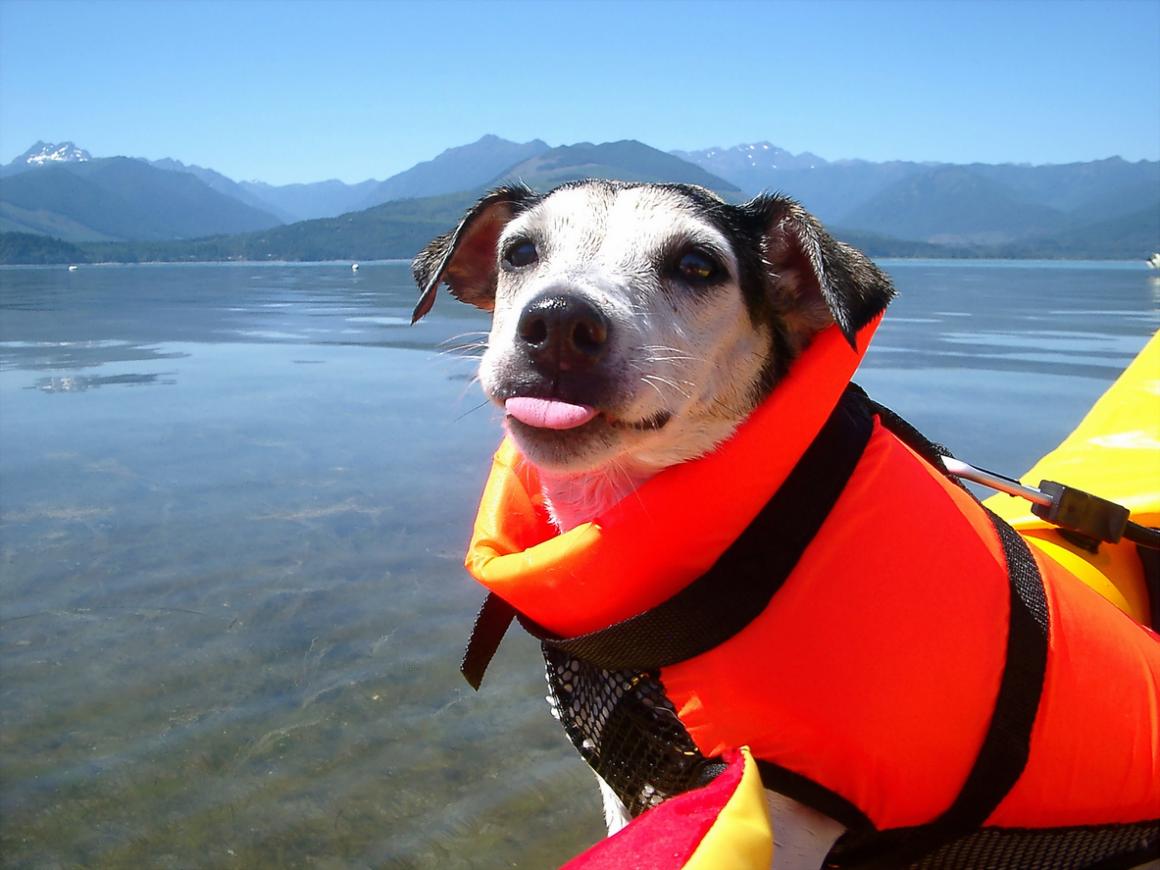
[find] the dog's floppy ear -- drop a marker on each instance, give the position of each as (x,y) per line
(834,279)
(466,257)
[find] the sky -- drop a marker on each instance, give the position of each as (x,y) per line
(302,91)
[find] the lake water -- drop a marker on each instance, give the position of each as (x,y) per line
(234,503)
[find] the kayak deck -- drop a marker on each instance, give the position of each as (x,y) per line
(1114,453)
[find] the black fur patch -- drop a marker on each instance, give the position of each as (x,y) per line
(852,288)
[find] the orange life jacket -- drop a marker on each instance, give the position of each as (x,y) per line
(912,669)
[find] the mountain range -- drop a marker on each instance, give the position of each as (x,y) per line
(124,208)
(118,198)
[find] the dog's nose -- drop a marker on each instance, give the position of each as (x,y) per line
(563,332)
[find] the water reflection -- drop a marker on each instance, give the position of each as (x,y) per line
(77,354)
(81,383)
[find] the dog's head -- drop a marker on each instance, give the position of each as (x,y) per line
(635,325)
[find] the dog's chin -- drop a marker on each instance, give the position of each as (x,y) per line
(583,449)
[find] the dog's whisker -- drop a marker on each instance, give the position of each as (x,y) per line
(672,359)
(445,348)
(664,348)
(455,346)
(466,351)
(471,410)
(471,382)
(671,384)
(654,386)
(473,332)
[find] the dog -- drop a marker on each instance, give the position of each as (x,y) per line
(664,312)
(636,327)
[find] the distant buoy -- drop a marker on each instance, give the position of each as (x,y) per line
(72,268)
(354,267)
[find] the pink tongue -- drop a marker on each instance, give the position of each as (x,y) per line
(548,413)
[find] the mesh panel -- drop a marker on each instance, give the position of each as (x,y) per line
(626,729)
(1058,849)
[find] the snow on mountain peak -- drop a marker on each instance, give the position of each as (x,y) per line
(750,157)
(48,152)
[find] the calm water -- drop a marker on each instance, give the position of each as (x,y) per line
(234,503)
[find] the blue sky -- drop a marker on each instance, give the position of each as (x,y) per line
(301,91)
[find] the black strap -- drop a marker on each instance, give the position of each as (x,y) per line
(805,791)
(1005,749)
(491,624)
(740,584)
(1150,560)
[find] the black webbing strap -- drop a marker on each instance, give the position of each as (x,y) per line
(491,624)
(740,584)
(814,795)
(1005,749)
(1150,560)
(725,599)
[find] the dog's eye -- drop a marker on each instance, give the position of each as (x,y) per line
(698,268)
(521,253)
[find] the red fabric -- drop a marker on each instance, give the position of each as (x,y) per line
(666,836)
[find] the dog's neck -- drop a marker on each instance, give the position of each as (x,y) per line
(576,499)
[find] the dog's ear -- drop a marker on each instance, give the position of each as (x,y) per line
(825,279)
(466,257)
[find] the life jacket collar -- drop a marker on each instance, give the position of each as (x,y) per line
(648,547)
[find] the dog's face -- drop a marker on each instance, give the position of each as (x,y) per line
(634,326)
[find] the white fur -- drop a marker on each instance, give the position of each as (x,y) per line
(695,359)
(577,498)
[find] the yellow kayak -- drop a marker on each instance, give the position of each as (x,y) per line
(1113,453)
